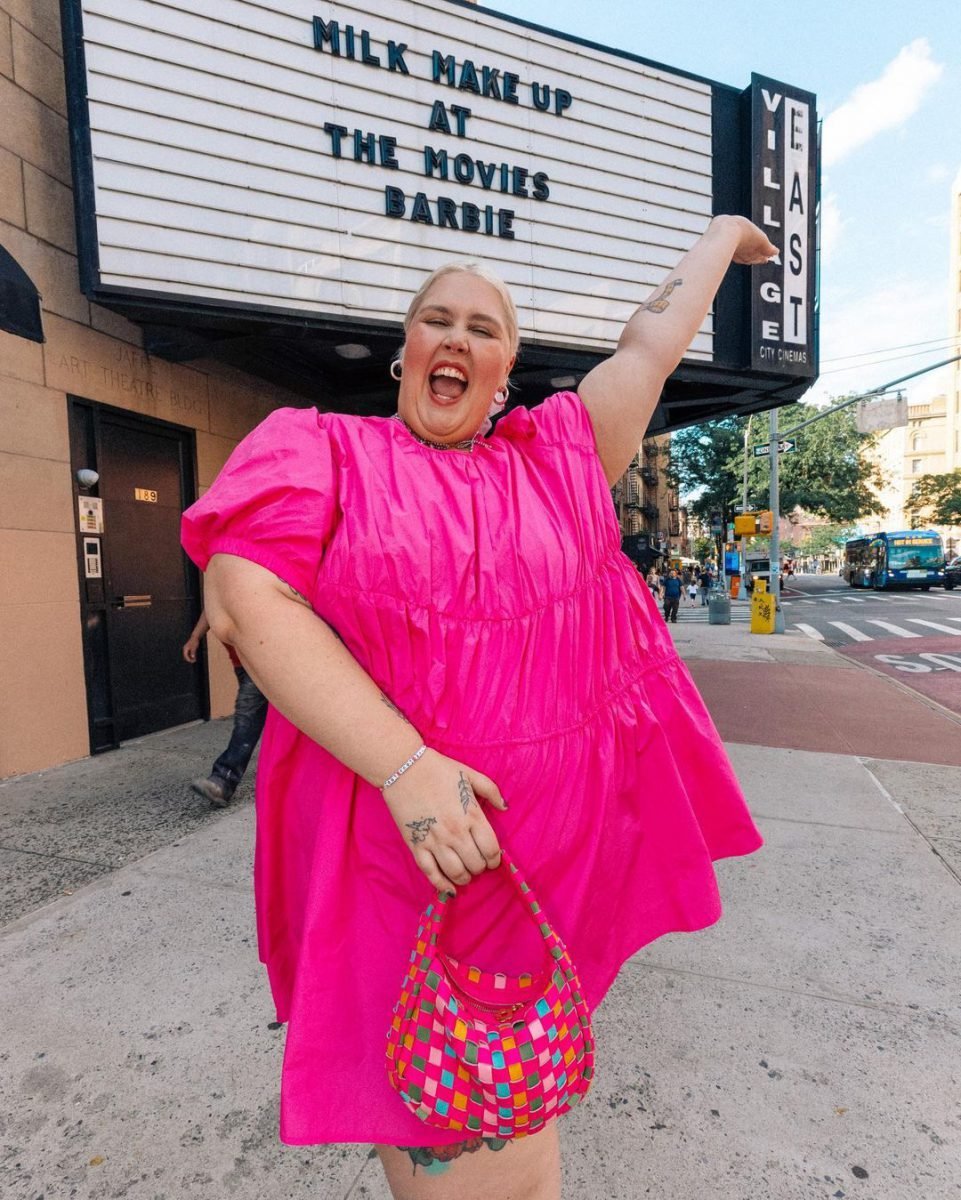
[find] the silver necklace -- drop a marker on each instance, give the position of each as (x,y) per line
(466,444)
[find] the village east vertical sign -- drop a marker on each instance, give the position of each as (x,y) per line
(783,197)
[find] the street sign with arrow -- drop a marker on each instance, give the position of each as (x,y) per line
(783,447)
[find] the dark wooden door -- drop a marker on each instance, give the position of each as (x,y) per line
(138,618)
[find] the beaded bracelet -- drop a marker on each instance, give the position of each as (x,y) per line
(402,768)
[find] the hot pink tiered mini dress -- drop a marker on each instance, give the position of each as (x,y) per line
(487,596)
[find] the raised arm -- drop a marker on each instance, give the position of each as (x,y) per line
(307,673)
(621,393)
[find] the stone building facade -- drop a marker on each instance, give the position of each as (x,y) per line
(91,353)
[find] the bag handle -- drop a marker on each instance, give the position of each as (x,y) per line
(434,916)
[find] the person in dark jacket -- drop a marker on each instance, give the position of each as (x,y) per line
(672,596)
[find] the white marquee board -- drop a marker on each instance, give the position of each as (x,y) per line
(214,179)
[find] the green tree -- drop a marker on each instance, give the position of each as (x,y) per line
(829,474)
(825,540)
(703,464)
(935,500)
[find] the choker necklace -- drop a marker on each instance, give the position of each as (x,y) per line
(466,444)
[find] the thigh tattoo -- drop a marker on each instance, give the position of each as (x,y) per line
(437,1159)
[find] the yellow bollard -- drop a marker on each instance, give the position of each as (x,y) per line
(762,608)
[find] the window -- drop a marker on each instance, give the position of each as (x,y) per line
(917,441)
(915,466)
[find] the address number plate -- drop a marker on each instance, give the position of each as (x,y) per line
(145,494)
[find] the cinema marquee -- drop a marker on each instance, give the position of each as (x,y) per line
(270,184)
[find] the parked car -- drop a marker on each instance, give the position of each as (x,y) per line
(952,573)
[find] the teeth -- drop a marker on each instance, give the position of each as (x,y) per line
(451,373)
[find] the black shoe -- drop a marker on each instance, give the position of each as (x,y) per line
(213,790)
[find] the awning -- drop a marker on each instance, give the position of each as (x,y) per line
(19,300)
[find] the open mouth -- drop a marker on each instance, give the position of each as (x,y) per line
(448,383)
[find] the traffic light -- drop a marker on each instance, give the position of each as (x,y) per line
(753,523)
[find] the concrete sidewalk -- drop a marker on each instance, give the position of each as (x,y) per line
(791,691)
(805,1047)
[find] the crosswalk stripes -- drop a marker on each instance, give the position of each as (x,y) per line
(855,635)
(845,630)
(859,635)
(895,629)
(936,625)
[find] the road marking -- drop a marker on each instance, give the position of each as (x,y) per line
(855,634)
(828,600)
(895,629)
(856,600)
(807,602)
(810,631)
(935,625)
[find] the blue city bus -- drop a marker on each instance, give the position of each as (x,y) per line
(911,559)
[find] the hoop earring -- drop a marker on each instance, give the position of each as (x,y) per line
(396,369)
(501,396)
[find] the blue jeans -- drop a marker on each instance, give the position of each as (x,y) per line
(250,712)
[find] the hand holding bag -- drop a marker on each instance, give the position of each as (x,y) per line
(482,1052)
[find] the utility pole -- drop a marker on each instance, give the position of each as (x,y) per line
(775,506)
(747,436)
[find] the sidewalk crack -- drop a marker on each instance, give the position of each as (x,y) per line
(87,862)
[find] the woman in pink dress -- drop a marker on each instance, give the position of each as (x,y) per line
(398,583)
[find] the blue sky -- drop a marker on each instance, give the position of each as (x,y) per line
(887,76)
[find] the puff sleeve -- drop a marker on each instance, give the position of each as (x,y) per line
(275,502)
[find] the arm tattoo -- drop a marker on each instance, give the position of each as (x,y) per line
(464,792)
(420,829)
(293,593)
(393,708)
(660,301)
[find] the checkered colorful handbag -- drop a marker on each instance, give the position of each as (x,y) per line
(485,1053)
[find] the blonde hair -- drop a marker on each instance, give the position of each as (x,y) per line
(470,267)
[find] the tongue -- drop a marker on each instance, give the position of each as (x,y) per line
(447,387)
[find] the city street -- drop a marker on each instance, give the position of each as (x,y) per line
(805,1044)
(913,636)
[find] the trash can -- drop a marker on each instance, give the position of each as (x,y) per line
(718,607)
(763,609)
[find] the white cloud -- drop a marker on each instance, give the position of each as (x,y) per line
(937,173)
(884,103)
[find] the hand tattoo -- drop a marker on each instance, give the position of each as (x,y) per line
(393,708)
(465,792)
(420,829)
(660,302)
